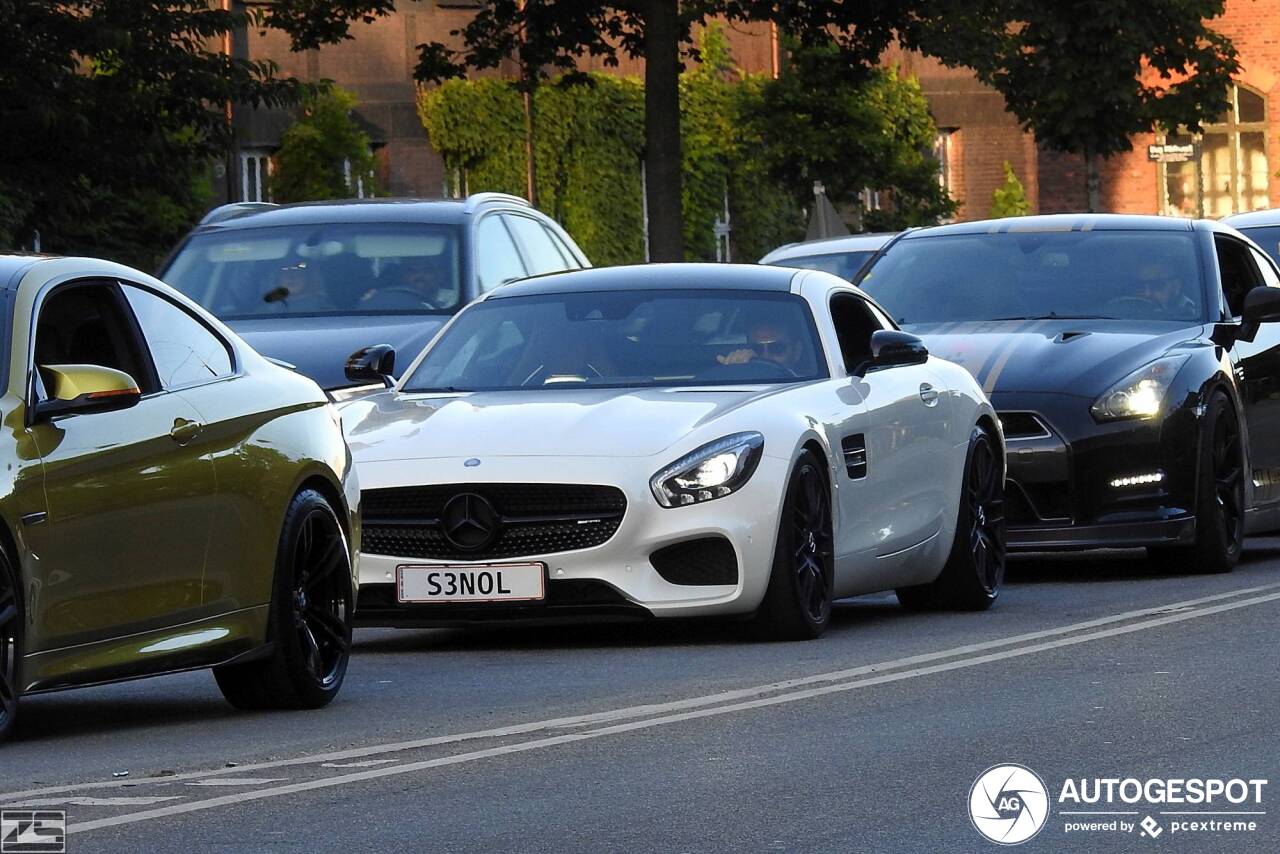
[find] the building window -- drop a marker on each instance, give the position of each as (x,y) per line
(1230,174)
(255,168)
(356,188)
(942,154)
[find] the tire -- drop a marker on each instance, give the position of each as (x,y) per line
(1219,498)
(797,602)
(971,578)
(10,643)
(310,622)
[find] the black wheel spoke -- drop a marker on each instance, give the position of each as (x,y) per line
(328,623)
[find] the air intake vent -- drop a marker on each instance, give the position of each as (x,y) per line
(1022,425)
(855,455)
(709,560)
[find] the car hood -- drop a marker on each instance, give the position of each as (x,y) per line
(319,345)
(1082,357)
(388,425)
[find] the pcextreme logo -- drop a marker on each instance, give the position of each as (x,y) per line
(1008,804)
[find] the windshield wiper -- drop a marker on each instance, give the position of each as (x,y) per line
(1053,315)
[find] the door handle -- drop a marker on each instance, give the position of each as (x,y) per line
(184,431)
(928,394)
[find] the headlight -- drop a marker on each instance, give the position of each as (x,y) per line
(1139,395)
(712,471)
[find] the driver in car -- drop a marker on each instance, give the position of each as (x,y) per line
(420,278)
(1160,285)
(771,342)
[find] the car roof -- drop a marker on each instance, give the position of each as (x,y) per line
(436,211)
(1253,219)
(14,264)
(640,277)
(831,246)
(1059,222)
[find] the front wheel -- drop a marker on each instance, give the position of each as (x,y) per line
(971,578)
(1220,497)
(310,624)
(797,603)
(10,644)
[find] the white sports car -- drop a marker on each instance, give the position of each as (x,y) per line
(674,441)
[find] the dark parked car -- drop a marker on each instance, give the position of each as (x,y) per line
(1262,227)
(1134,365)
(309,284)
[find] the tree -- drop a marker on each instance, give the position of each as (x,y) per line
(1009,199)
(324,154)
(1085,76)
(110,107)
(818,122)
(548,35)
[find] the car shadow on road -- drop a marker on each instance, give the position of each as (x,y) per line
(1112,565)
(62,716)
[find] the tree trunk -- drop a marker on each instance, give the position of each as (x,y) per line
(1092,182)
(662,129)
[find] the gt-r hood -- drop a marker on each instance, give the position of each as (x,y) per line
(1082,357)
(387,425)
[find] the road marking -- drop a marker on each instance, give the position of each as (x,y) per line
(366,764)
(663,720)
(80,801)
(236,781)
(646,709)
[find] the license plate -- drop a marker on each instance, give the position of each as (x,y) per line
(497,582)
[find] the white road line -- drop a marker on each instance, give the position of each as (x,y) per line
(77,801)
(236,781)
(633,726)
(646,709)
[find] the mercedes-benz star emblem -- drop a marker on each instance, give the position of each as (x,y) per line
(469,522)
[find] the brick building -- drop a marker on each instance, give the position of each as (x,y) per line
(1233,166)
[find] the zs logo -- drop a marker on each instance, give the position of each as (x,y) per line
(33,832)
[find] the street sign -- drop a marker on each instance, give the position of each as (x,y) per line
(1171,152)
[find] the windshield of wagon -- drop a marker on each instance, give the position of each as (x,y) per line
(843,264)
(1122,275)
(619,339)
(1266,236)
(344,268)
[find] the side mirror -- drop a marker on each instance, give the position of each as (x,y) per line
(1261,305)
(376,364)
(890,347)
(86,388)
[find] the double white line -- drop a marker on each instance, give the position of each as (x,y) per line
(633,718)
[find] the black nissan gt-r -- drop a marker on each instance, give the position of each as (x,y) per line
(1134,363)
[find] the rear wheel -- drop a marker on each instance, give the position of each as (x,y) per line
(974,571)
(310,624)
(797,603)
(10,643)
(1219,497)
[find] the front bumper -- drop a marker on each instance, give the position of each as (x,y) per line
(615,579)
(1060,492)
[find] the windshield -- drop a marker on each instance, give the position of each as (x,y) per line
(351,268)
(1268,237)
(1130,275)
(623,339)
(843,264)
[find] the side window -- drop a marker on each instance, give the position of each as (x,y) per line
(184,350)
(570,258)
(87,324)
(854,324)
(541,254)
(497,260)
(1269,277)
(1239,276)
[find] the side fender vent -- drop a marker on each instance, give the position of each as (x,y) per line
(855,455)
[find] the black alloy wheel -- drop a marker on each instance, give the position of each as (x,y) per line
(1228,476)
(322,595)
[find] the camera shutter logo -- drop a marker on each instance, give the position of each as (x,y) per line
(33,832)
(1008,804)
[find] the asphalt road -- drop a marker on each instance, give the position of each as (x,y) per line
(661,737)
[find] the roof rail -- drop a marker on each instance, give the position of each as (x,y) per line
(233,210)
(474,200)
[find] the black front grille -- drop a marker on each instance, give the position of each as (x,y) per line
(709,560)
(535,518)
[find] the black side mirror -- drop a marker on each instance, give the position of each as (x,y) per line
(891,347)
(376,364)
(1261,305)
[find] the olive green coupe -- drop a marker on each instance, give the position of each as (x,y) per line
(169,499)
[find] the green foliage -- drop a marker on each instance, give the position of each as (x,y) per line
(310,163)
(1009,199)
(112,110)
(866,129)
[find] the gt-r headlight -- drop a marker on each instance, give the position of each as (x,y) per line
(1139,395)
(712,471)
